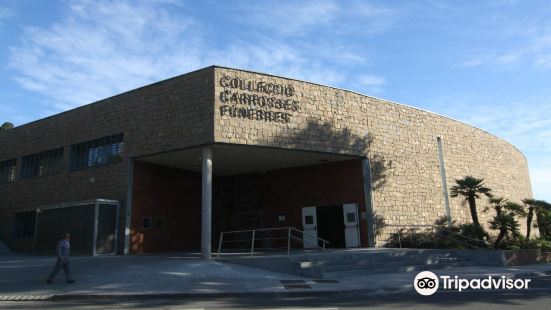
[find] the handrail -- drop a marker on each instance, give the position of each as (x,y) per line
(254,237)
(305,234)
(439,234)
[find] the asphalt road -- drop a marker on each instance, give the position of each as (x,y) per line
(537,297)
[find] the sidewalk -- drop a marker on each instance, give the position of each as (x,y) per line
(23,277)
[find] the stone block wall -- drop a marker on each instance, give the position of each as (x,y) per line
(221,105)
(172,114)
(256,109)
(400,142)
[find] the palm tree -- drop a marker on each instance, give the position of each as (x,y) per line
(542,209)
(504,220)
(471,188)
(505,223)
(531,204)
(498,203)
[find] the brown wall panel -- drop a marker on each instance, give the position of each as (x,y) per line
(170,194)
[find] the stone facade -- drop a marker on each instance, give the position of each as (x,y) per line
(325,120)
(227,106)
(400,142)
(171,114)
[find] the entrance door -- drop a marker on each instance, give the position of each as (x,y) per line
(330,225)
(351,227)
(309,224)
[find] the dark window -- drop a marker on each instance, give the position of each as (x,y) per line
(160,223)
(42,164)
(96,152)
(24,224)
(147,222)
(7,171)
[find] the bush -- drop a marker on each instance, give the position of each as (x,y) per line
(545,245)
(471,231)
(522,243)
(442,237)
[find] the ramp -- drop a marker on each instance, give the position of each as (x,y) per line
(348,263)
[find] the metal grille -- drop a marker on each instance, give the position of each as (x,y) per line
(42,164)
(92,225)
(24,224)
(53,223)
(107,229)
(96,152)
(7,171)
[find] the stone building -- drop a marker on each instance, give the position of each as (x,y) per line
(240,150)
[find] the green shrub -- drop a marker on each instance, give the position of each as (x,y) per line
(442,237)
(471,231)
(546,246)
(522,243)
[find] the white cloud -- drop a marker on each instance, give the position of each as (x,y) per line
(101,48)
(8,113)
(371,18)
(513,41)
(496,60)
(300,18)
(371,83)
(289,17)
(526,124)
(6,13)
(543,61)
(541,181)
(276,58)
(476,61)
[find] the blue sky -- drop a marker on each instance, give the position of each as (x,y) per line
(487,63)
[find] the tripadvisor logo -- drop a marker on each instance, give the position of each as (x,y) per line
(427,283)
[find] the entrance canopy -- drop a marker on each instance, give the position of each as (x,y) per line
(229,159)
(310,177)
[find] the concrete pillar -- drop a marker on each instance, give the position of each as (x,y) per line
(444,181)
(206,214)
(128,209)
(366,167)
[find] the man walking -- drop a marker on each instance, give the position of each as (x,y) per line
(63,251)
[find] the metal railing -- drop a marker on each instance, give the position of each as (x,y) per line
(281,236)
(403,232)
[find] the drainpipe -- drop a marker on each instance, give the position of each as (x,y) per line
(206,213)
(444,181)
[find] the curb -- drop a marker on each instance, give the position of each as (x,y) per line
(26,298)
(532,274)
(224,295)
(74,297)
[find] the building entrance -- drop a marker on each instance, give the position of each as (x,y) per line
(331,225)
(252,188)
(337,224)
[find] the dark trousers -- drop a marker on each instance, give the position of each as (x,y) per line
(66,265)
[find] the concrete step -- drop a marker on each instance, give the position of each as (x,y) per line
(331,256)
(371,259)
(4,249)
(349,263)
(343,264)
(389,264)
(395,269)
